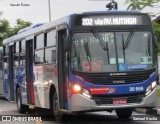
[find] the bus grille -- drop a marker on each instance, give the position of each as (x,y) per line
(126,78)
(102,99)
(130,77)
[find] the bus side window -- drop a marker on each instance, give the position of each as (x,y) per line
(5,61)
(50,55)
(22,47)
(16,53)
(22,53)
(5,50)
(5,57)
(51,38)
(39,43)
(16,60)
(39,56)
(50,48)
(22,60)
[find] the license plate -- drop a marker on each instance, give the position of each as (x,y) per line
(119,101)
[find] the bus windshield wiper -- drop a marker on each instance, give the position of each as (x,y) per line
(123,47)
(86,47)
(100,39)
(129,38)
(101,42)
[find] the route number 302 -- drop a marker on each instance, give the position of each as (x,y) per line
(87,21)
(132,89)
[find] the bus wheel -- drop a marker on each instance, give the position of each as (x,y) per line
(21,108)
(124,113)
(56,112)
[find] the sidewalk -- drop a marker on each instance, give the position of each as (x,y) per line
(154,111)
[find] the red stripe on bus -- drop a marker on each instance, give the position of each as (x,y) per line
(99,90)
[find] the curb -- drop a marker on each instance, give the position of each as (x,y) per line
(152,111)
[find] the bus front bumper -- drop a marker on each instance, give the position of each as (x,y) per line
(82,103)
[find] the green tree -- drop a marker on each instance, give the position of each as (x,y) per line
(156,27)
(141,4)
(20,24)
(157,30)
(4,27)
(6,31)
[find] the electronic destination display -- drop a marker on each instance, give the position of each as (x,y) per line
(109,20)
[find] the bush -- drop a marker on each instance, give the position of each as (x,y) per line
(156,27)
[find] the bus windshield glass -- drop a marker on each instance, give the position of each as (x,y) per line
(111,51)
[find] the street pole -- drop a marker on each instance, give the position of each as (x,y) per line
(49,10)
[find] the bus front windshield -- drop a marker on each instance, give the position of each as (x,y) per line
(111,51)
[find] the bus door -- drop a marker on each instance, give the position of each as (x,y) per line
(11,61)
(29,71)
(62,68)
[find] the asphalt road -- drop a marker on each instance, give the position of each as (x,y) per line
(8,110)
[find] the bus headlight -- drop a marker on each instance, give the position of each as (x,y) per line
(78,89)
(86,93)
(150,88)
(154,84)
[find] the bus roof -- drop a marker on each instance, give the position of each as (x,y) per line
(42,27)
(113,11)
(34,29)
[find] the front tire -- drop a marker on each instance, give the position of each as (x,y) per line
(56,112)
(124,113)
(58,116)
(21,108)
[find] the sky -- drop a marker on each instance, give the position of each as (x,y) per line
(37,11)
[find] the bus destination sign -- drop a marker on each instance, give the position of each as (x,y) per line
(111,20)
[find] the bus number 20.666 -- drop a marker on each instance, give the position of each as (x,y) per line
(132,89)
